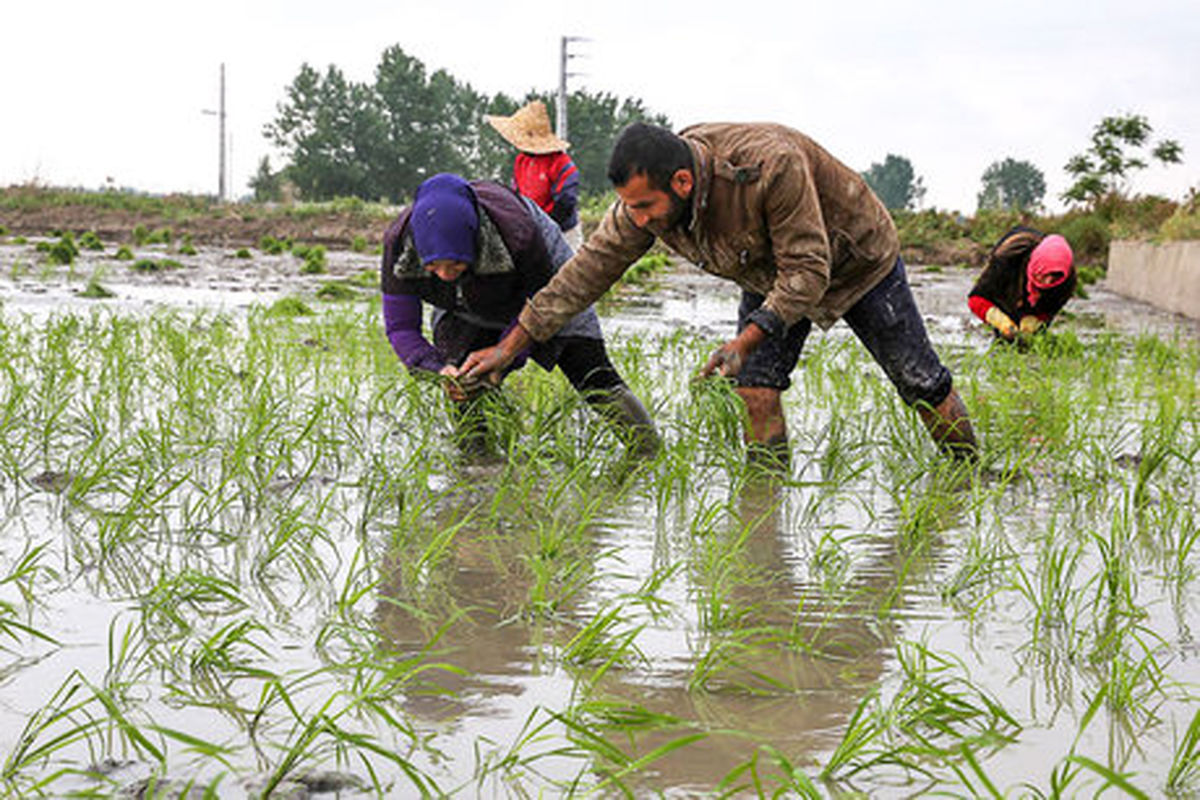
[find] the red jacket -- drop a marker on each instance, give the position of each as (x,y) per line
(552,181)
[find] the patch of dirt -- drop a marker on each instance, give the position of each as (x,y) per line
(229,226)
(243,225)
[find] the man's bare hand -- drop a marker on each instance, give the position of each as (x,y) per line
(492,361)
(484,363)
(725,361)
(729,358)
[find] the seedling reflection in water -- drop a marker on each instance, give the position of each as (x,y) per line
(244,493)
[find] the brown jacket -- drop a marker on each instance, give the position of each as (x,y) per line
(771,210)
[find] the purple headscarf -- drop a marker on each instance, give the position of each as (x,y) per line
(444,220)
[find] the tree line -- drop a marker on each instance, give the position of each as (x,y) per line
(380,140)
(1118,148)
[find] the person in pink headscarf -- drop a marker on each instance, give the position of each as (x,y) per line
(1029,277)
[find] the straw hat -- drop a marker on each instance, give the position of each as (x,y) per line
(528,129)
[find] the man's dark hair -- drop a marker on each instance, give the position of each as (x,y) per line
(650,150)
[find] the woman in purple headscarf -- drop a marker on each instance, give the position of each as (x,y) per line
(1029,277)
(476,251)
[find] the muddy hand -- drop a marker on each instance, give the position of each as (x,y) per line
(488,363)
(726,362)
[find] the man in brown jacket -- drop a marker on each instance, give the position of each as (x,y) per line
(802,235)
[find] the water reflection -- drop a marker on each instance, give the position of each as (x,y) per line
(483,599)
(797,657)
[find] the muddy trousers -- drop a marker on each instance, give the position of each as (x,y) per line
(886,320)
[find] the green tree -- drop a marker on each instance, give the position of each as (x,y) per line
(894,184)
(431,123)
(331,131)
(380,140)
(1012,184)
(1104,168)
(267,185)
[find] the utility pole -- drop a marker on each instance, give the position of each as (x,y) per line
(563,57)
(220,114)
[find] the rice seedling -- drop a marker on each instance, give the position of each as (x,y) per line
(299,566)
(1183,777)
(313,257)
(933,715)
(90,241)
(95,290)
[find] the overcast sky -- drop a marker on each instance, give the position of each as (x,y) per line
(94,91)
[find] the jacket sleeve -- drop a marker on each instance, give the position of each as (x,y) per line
(979,306)
(582,280)
(799,244)
(564,195)
(402,322)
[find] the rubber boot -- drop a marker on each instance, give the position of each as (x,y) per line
(622,408)
(950,427)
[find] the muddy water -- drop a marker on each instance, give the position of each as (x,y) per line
(832,573)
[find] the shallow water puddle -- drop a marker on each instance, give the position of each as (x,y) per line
(241,549)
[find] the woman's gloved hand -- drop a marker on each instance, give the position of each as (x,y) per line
(1030,325)
(1001,322)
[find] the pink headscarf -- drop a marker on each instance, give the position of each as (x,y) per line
(1050,264)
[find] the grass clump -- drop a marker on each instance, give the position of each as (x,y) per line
(94,290)
(290,307)
(272,246)
(90,241)
(156,265)
(186,247)
(359,244)
(123,254)
(161,236)
(62,252)
(313,257)
(243,253)
(337,291)
(367,279)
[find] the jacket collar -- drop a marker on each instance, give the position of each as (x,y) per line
(702,177)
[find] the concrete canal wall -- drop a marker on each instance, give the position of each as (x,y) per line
(1164,275)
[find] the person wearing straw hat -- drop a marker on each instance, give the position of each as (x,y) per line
(542,170)
(800,233)
(476,251)
(1028,279)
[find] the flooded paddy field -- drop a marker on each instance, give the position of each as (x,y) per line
(241,554)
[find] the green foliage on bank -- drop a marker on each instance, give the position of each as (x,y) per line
(1089,230)
(172,206)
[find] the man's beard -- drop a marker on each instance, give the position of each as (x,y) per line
(679,215)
